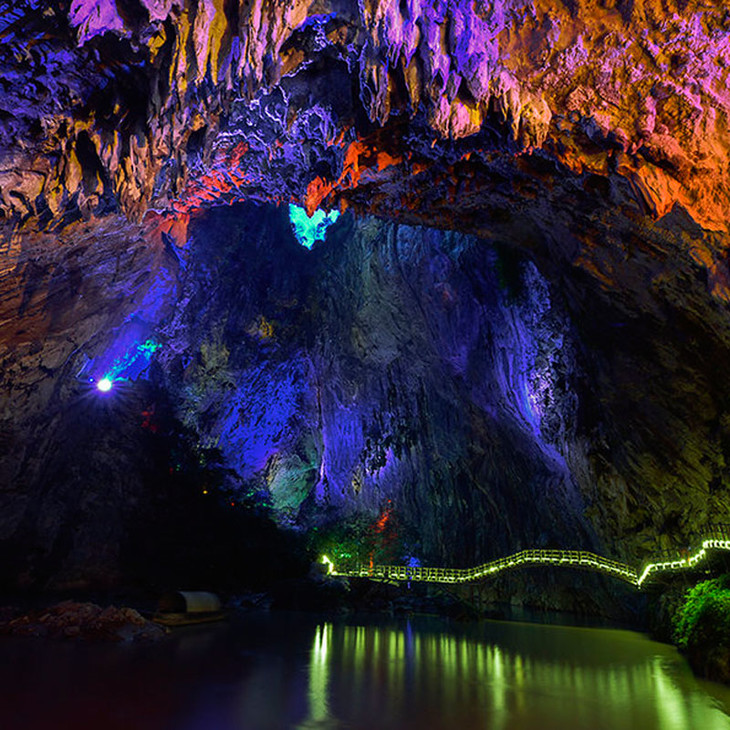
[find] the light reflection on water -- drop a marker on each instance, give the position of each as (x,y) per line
(504,677)
(293,671)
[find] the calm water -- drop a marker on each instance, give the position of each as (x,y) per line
(295,671)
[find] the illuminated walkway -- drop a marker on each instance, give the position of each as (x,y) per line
(718,538)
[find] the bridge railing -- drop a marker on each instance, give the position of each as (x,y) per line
(716,538)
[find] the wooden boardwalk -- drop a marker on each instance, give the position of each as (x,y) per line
(717,538)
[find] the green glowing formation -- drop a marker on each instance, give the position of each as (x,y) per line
(719,539)
(310,229)
(131,363)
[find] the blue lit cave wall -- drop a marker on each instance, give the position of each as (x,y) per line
(391,369)
(393,392)
(415,393)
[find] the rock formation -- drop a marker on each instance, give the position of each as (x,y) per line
(515,335)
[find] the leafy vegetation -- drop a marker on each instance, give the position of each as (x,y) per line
(703,620)
(360,540)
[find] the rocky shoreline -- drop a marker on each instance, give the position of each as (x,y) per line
(80,620)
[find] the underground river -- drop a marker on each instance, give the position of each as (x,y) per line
(276,671)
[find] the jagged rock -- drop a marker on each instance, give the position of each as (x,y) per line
(630,91)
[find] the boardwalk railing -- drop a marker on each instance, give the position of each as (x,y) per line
(718,538)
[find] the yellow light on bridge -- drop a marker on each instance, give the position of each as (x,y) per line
(567,558)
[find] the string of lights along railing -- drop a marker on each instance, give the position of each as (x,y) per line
(718,538)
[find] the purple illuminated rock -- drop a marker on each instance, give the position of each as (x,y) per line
(94,17)
(552,374)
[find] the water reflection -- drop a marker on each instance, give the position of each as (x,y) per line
(502,677)
(277,671)
(319,711)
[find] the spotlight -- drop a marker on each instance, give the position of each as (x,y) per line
(104,385)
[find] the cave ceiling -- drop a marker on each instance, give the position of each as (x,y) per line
(492,116)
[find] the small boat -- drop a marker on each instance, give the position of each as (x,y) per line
(185,608)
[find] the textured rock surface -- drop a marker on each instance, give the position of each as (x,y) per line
(551,374)
(396,365)
(425,379)
(284,99)
(62,296)
(71,620)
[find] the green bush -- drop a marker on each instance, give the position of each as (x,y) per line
(360,539)
(703,620)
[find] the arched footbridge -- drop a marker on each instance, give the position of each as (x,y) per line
(717,538)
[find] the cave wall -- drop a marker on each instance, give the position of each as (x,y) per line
(391,368)
(422,374)
(65,499)
(474,384)
(391,365)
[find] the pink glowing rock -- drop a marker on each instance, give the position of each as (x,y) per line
(160,9)
(94,17)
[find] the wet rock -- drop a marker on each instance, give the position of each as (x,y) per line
(73,620)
